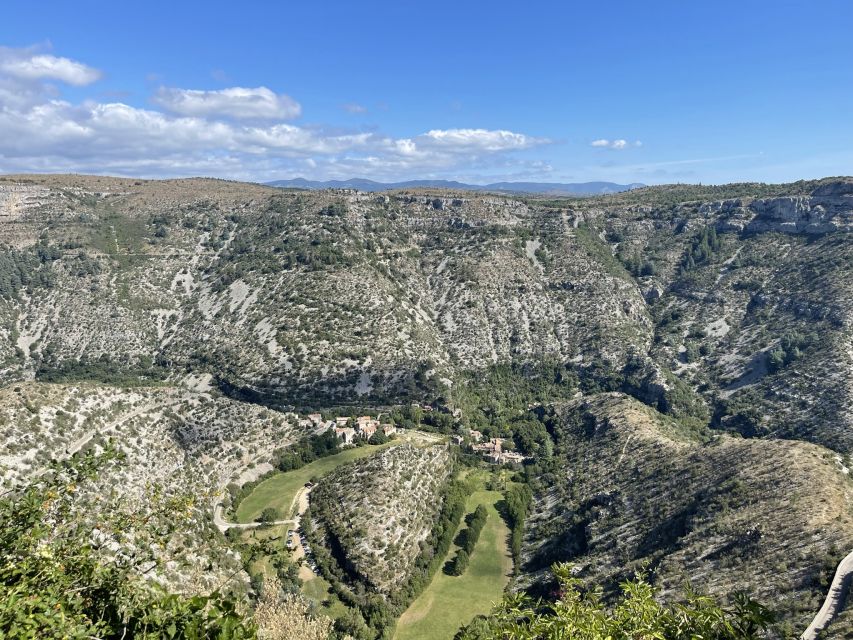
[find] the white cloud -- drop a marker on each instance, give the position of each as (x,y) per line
(28,65)
(619,144)
(234,102)
(234,132)
(479,139)
(119,138)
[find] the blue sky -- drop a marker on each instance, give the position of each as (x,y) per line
(625,91)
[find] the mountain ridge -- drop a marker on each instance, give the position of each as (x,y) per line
(160,314)
(557,188)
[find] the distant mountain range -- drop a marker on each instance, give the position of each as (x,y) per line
(556,188)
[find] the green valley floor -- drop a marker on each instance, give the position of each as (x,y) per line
(279,490)
(452,601)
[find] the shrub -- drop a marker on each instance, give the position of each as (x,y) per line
(460,563)
(270,515)
(580,613)
(55,584)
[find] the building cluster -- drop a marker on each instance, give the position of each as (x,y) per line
(316,421)
(492,450)
(346,428)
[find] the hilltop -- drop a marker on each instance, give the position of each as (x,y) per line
(579,189)
(376,513)
(737,309)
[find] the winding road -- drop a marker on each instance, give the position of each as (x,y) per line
(834,602)
(223,525)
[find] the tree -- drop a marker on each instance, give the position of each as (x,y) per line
(351,623)
(776,359)
(270,515)
(378,438)
(55,583)
(580,613)
(460,563)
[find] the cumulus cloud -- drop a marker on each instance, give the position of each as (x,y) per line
(479,139)
(619,144)
(29,65)
(236,132)
(234,102)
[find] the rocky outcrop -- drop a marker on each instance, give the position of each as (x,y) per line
(829,208)
(380,510)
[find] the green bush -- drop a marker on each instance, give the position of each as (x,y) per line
(580,613)
(54,584)
(459,563)
(270,515)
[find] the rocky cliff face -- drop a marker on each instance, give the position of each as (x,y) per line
(379,512)
(146,311)
(829,208)
(315,299)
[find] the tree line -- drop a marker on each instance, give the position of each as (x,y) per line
(467,540)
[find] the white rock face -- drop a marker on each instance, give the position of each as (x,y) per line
(829,208)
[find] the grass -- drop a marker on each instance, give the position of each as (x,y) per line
(452,601)
(279,490)
(319,590)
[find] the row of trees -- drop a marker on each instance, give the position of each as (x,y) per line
(467,540)
(307,450)
(517,502)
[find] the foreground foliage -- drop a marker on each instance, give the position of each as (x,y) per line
(287,616)
(578,614)
(62,578)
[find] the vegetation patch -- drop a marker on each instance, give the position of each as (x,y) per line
(452,601)
(279,490)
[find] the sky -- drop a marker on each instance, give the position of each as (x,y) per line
(625,91)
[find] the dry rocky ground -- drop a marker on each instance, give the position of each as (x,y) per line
(380,509)
(163,314)
(174,444)
(633,489)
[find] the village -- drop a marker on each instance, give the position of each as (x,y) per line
(492,449)
(350,429)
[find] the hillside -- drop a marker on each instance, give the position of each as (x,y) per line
(374,514)
(263,289)
(175,445)
(631,488)
(689,349)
